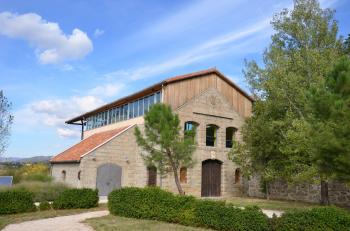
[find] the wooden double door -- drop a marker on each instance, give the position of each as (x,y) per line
(211,178)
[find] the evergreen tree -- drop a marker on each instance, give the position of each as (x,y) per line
(331,125)
(165,146)
(303,51)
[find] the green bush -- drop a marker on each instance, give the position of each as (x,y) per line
(76,198)
(316,219)
(42,191)
(154,203)
(218,215)
(16,201)
(45,205)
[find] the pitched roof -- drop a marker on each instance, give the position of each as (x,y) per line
(84,147)
(157,87)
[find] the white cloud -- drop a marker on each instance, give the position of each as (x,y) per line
(107,90)
(243,39)
(51,44)
(68,133)
(54,112)
(98,33)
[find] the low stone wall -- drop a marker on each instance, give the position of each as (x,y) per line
(339,193)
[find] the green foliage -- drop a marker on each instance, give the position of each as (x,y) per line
(156,204)
(217,215)
(331,105)
(316,219)
(45,205)
(76,199)
(276,138)
(16,201)
(42,191)
(166,147)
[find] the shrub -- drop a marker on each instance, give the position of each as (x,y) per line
(154,203)
(76,198)
(45,205)
(316,219)
(16,201)
(218,215)
(151,203)
(42,191)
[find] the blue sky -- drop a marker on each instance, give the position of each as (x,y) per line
(61,58)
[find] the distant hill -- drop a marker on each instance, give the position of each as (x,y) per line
(34,159)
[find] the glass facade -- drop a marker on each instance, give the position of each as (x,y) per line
(127,111)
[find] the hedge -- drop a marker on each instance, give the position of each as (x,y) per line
(156,204)
(316,219)
(45,205)
(76,198)
(16,201)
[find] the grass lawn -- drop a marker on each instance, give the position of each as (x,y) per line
(270,204)
(109,223)
(21,217)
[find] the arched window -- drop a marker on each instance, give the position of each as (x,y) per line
(230,136)
(237,176)
(183,175)
(79,174)
(190,127)
(211,135)
(152,176)
(63,175)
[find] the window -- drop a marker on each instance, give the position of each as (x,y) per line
(158,97)
(211,135)
(237,176)
(190,126)
(183,175)
(140,107)
(150,100)
(146,105)
(124,112)
(230,135)
(63,175)
(152,176)
(79,173)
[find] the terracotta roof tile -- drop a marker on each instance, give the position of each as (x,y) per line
(74,153)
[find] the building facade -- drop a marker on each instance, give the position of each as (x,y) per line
(108,156)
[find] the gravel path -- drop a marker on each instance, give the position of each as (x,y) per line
(64,223)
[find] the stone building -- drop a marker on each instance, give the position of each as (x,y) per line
(108,156)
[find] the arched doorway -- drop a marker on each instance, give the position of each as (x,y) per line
(109,177)
(211,178)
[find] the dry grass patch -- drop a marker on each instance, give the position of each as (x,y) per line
(109,223)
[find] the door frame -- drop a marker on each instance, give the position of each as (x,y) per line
(210,184)
(109,164)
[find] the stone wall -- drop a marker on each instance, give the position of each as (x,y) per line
(338,193)
(71,170)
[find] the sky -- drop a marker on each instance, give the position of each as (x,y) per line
(59,59)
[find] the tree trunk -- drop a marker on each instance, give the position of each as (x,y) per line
(324,193)
(176,176)
(267,191)
(177,182)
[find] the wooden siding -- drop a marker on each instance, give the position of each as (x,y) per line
(178,93)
